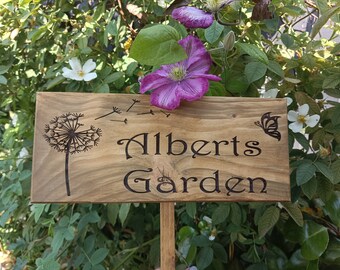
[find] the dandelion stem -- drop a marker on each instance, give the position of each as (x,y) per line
(134,101)
(67,181)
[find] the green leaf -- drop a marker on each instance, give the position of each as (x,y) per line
(325,170)
(316,240)
(268,220)
(69,233)
(37,33)
(201,241)
(89,244)
(313,265)
(82,42)
(3,79)
(180,28)
(47,264)
(185,248)
(213,32)
(37,209)
(155,253)
(309,188)
(236,214)
(237,85)
(114,77)
(112,212)
(276,68)
(294,212)
(335,167)
(332,255)
(332,208)
(186,232)
(253,51)
(220,252)
(331,81)
(25,174)
(54,82)
(98,267)
(216,89)
(305,172)
(112,28)
(221,213)
(74,218)
(321,21)
(157,45)
(302,140)
(91,217)
(325,188)
(204,257)
(4,69)
(57,241)
(5,215)
(123,212)
(255,71)
(99,255)
(336,115)
(102,88)
(287,40)
(191,209)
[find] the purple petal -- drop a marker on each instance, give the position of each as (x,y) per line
(198,58)
(192,17)
(154,80)
(166,97)
(210,77)
(193,89)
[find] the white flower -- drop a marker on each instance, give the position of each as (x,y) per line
(78,72)
(289,100)
(22,155)
(212,237)
(271,93)
(207,219)
(14,117)
(301,118)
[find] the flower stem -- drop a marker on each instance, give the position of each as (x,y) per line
(67,181)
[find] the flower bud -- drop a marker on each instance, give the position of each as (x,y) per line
(229,41)
(324,152)
(213,5)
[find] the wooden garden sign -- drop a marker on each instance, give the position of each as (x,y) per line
(117,148)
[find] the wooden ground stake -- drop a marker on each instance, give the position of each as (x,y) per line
(167,213)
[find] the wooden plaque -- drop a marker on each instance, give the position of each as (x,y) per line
(118,148)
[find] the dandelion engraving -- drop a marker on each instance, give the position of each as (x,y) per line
(134,101)
(63,135)
(114,110)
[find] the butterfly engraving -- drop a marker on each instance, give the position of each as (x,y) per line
(269,125)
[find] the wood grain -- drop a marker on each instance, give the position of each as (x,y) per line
(208,150)
(167,222)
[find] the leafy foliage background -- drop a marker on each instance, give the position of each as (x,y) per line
(37,38)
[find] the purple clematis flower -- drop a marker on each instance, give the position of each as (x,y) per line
(192,17)
(187,79)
